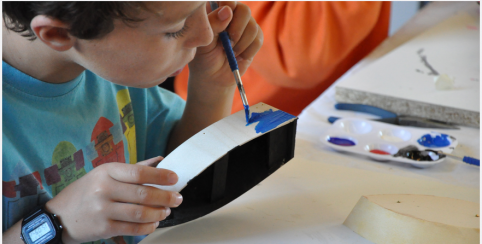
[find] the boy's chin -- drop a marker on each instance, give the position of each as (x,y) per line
(176,73)
(149,84)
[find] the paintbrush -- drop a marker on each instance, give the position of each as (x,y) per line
(465,159)
(233,64)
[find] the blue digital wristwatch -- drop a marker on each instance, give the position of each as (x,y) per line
(41,227)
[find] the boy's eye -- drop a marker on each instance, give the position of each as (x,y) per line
(177,34)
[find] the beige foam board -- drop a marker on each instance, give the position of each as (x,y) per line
(399,218)
(403,83)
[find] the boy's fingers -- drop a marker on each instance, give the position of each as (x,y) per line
(152,162)
(231,4)
(137,213)
(220,19)
(250,33)
(146,195)
(237,26)
(253,48)
(140,174)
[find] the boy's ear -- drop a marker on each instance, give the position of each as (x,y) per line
(52,32)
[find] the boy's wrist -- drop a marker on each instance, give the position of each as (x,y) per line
(209,93)
(52,208)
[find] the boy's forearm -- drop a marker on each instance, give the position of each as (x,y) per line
(12,235)
(204,106)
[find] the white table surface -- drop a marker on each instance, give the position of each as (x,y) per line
(307,200)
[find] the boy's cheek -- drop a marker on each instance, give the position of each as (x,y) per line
(145,64)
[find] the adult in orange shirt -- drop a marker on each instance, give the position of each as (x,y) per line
(307,46)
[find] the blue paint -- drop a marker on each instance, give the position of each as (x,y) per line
(269,120)
(246,111)
(341,141)
(434,140)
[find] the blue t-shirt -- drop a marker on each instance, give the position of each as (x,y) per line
(54,134)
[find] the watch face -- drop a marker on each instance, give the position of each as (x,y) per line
(40,230)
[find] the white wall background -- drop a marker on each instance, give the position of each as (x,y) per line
(400,13)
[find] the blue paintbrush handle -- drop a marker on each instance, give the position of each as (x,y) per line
(472,161)
(229,50)
(366,109)
(226,43)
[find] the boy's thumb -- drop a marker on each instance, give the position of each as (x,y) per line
(220,19)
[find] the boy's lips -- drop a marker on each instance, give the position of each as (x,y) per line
(176,73)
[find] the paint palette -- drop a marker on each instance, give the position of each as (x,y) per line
(387,142)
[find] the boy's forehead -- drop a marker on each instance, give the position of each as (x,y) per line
(173,12)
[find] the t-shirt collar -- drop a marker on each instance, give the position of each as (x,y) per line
(30,85)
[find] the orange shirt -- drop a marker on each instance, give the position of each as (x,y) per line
(307,46)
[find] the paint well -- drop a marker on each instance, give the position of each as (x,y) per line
(268,120)
(381,149)
(391,138)
(381,152)
(434,140)
(395,135)
(356,126)
(412,152)
(341,141)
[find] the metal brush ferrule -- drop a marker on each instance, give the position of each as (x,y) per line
(239,83)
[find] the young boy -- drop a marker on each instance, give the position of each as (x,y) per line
(79,93)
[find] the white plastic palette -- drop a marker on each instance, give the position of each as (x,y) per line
(368,135)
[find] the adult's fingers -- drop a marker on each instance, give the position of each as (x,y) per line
(145,195)
(140,174)
(137,213)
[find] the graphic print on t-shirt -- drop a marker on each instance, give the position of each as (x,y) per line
(22,191)
(129,128)
(67,166)
(107,142)
(27,186)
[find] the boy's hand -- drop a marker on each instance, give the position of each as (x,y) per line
(111,200)
(211,82)
(210,63)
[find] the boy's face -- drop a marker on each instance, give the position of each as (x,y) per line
(148,53)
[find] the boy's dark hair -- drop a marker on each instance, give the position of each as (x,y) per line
(87,20)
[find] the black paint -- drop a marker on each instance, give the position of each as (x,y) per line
(412,152)
(425,62)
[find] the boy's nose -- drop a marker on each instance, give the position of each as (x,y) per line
(205,36)
(202,37)
(202,34)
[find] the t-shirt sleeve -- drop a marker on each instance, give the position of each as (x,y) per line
(156,112)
